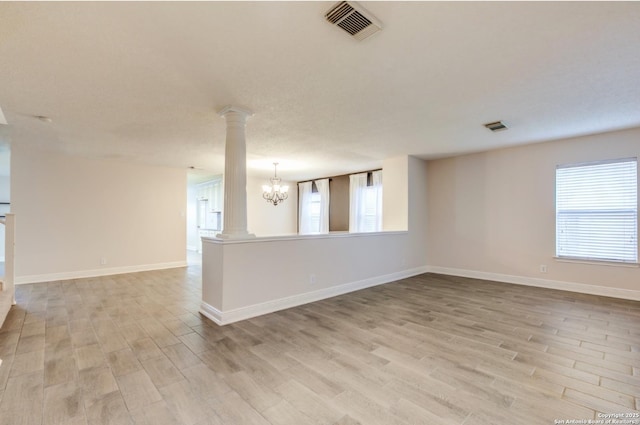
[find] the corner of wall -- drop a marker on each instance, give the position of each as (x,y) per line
(395,194)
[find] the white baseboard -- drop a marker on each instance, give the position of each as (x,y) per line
(212,313)
(242,313)
(627,294)
(6,301)
(80,274)
(193,248)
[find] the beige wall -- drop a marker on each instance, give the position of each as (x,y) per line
(264,219)
(395,195)
(5,196)
(193,236)
(417,209)
(494,212)
(71,212)
(339,204)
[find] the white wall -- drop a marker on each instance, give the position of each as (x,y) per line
(239,279)
(193,238)
(246,278)
(265,219)
(395,202)
(71,212)
(494,212)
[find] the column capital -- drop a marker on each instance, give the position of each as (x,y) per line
(230,108)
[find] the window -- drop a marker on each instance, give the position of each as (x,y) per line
(597,211)
(313,207)
(365,209)
(314,213)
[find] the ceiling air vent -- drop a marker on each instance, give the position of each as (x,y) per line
(354,19)
(496,126)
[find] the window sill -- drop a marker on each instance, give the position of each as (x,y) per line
(596,262)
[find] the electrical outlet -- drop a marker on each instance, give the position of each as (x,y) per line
(312,279)
(103,261)
(543,268)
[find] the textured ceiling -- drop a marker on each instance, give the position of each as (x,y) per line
(142,81)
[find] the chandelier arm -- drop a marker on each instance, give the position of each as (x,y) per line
(275,196)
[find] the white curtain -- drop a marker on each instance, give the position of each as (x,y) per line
(323,190)
(365,203)
(304,210)
(377,188)
(357,202)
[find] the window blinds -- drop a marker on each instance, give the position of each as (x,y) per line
(597,211)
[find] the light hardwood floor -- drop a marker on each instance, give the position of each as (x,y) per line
(132,349)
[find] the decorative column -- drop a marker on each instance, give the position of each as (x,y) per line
(235,174)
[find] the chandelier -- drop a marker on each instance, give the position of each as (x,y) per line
(275,193)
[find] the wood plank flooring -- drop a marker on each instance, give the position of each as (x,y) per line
(132,349)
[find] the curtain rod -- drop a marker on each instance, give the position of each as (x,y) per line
(341,175)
